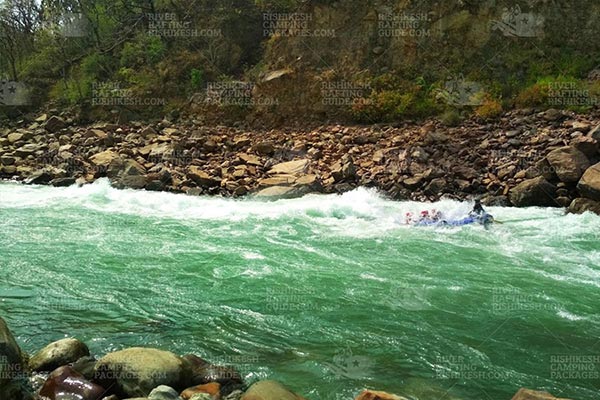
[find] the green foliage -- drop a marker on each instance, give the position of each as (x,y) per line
(565,92)
(143,50)
(394,99)
(196,78)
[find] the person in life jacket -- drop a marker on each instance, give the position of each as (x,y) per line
(408,218)
(424,217)
(436,216)
(477,209)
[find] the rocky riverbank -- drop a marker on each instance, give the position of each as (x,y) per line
(65,370)
(526,158)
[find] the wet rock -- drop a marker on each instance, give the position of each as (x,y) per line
(533,192)
(57,354)
(280,192)
(201,396)
(235,395)
(527,394)
(163,392)
(269,390)
(13,376)
(85,366)
(589,185)
(66,383)
(63,182)
(136,371)
(375,395)
(568,163)
(581,205)
(41,177)
(213,389)
(204,372)
(54,124)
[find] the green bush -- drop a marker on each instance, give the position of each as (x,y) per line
(196,78)
(143,50)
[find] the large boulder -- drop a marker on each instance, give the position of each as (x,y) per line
(375,395)
(66,383)
(202,178)
(296,167)
(586,145)
(527,394)
(12,374)
(282,192)
(581,205)
(129,174)
(533,192)
(589,185)
(134,372)
(269,390)
(103,159)
(568,163)
(57,354)
(40,177)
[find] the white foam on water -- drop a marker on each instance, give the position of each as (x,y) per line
(360,213)
(569,316)
(372,277)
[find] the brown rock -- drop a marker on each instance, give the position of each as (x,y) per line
(136,371)
(581,205)
(266,148)
(589,185)
(11,365)
(250,159)
(65,382)
(58,353)
(568,163)
(104,158)
(533,192)
(375,395)
(212,388)
(202,178)
(527,394)
(595,133)
(586,145)
(413,183)
(436,186)
(269,390)
(295,167)
(54,124)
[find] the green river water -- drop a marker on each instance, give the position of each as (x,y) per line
(327,294)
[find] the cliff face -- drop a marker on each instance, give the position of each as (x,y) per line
(379,35)
(493,46)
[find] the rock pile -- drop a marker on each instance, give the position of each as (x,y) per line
(526,158)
